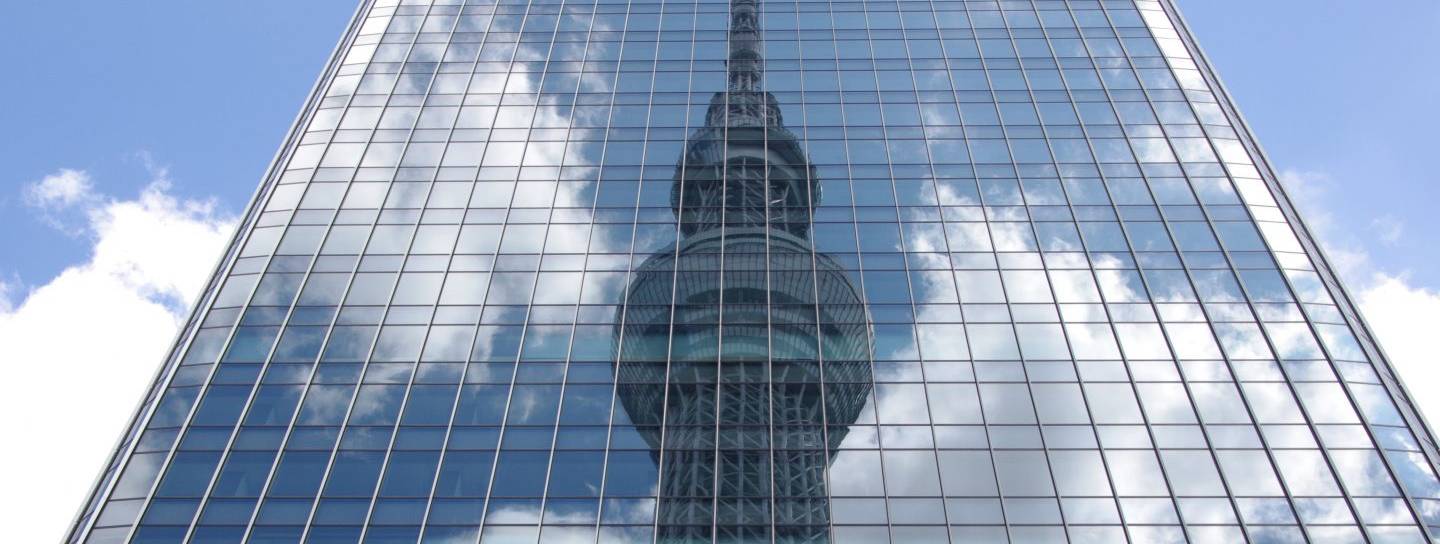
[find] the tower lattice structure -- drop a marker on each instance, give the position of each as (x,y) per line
(726,340)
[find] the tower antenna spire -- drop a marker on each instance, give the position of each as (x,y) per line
(746,65)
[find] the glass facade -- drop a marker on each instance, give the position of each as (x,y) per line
(599,271)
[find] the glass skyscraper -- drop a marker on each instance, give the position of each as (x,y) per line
(598,271)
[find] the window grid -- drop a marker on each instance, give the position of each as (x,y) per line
(1332,290)
(1165,235)
(107,481)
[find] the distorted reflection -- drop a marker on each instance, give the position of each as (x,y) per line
(744,311)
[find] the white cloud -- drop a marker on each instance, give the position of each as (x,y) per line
(1388,229)
(62,189)
(5,304)
(62,199)
(80,349)
(1401,314)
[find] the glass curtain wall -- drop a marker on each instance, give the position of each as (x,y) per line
(600,271)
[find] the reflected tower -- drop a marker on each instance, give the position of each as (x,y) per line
(725,341)
(464,307)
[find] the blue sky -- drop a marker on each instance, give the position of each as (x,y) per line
(205,89)
(1342,93)
(1339,92)
(136,131)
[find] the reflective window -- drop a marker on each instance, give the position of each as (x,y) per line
(753,271)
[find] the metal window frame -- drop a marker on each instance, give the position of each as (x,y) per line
(125,447)
(1335,286)
(110,473)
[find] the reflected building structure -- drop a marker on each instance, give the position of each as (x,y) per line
(732,271)
(721,341)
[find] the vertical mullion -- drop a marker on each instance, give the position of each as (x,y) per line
(430,323)
(1105,460)
(1185,382)
(254,516)
(984,419)
(812,199)
(1395,390)
(1000,268)
(905,249)
(529,306)
(350,406)
(1270,344)
(265,365)
(860,253)
(622,314)
(209,382)
(87,514)
(765,268)
(561,407)
(1109,325)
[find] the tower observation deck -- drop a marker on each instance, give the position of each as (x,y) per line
(727,339)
